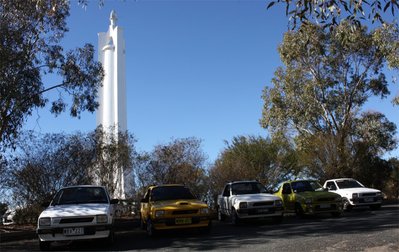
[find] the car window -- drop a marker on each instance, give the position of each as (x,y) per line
(305,186)
(331,185)
(247,188)
(80,195)
(348,183)
(171,193)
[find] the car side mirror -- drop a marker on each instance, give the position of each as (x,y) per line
(114,201)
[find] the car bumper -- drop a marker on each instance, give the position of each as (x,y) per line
(322,208)
(366,201)
(90,232)
(173,223)
(259,212)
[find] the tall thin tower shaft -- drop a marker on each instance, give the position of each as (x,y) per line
(111,114)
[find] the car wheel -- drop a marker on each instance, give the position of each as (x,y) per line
(299,211)
(221,217)
(375,207)
(235,220)
(336,214)
(278,219)
(111,238)
(346,205)
(44,245)
(150,228)
(143,225)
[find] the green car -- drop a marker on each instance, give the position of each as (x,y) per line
(307,197)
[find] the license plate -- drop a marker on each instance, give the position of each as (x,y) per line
(368,199)
(263,210)
(182,221)
(73,231)
(325,205)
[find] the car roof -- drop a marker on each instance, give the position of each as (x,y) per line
(298,180)
(166,185)
(79,186)
(243,181)
(341,179)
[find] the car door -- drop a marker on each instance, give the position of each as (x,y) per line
(225,200)
(288,196)
(144,206)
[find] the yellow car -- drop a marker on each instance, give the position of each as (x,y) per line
(172,207)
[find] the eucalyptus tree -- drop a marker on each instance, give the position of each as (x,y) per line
(319,93)
(254,158)
(30,36)
(331,12)
(181,161)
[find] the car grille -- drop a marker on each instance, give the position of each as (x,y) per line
(178,212)
(368,194)
(76,220)
(263,203)
(325,199)
(332,207)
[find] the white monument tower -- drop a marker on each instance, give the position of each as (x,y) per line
(111,112)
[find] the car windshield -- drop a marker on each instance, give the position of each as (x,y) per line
(343,184)
(80,195)
(247,188)
(171,193)
(305,186)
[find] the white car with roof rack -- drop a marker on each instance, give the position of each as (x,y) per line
(354,193)
(77,213)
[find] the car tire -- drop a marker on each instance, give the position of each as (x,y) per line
(278,219)
(336,214)
(298,210)
(151,232)
(235,220)
(221,217)
(110,240)
(346,205)
(44,245)
(375,207)
(143,225)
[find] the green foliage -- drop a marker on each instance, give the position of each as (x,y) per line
(30,34)
(28,215)
(253,158)
(179,162)
(42,164)
(112,152)
(331,12)
(318,95)
(3,208)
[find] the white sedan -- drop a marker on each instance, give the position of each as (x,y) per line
(77,213)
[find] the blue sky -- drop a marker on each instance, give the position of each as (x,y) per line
(194,69)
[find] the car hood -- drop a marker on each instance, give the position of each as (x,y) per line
(359,190)
(74,210)
(175,204)
(255,197)
(317,194)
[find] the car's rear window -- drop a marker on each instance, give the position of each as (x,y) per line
(171,193)
(80,195)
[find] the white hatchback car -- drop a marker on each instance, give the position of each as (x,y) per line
(77,213)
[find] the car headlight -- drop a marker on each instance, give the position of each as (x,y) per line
(102,218)
(45,221)
(159,213)
(379,194)
(308,201)
(355,195)
(278,203)
(204,211)
(243,205)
